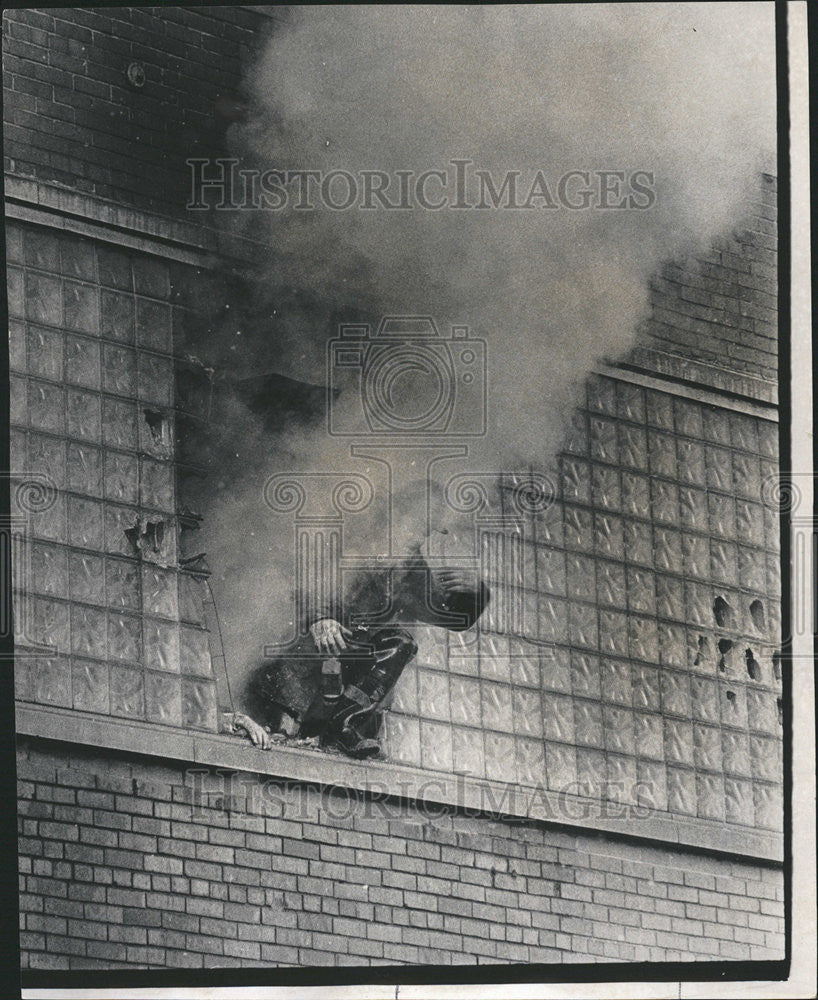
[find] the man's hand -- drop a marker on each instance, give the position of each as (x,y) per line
(257,734)
(459,580)
(328,636)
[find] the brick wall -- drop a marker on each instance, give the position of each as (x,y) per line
(73,119)
(125,862)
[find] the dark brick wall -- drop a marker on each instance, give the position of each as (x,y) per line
(125,862)
(72,118)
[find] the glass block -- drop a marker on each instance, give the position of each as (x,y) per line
(678,741)
(676,693)
(194,652)
(646,696)
(192,593)
(605,488)
(672,645)
(556,669)
(621,779)
(668,550)
(469,665)
(88,632)
(746,475)
(601,395)
(662,454)
(550,570)
(162,648)
(82,361)
(751,569)
(87,578)
(592,773)
(549,525)
(762,713)
(121,477)
(743,433)
(117,316)
(49,570)
(49,623)
(17,346)
(496,704)
(42,248)
(127,691)
(696,555)
(575,480)
(119,370)
(84,469)
(83,415)
(89,681)
(613,632)
(43,299)
(500,757)
(651,790)
(553,620)
(603,440)
(707,748)
(664,501)
(558,718)
(119,424)
(719,469)
(527,714)
(723,562)
(688,418)
(690,459)
(738,802)
(530,762)
(157,485)
(773,574)
(681,791)
(765,758)
(25,677)
(579,533)
(588,730)
(705,699)
(46,407)
(464,701)
(524,661)
(46,455)
(643,639)
(14,291)
(576,438)
(118,520)
(561,767)
(693,509)
(641,590)
(81,305)
(52,680)
(405,692)
(163,698)
(698,604)
(610,582)
(467,752)
(14,243)
(77,258)
(585,676)
(50,523)
(124,637)
(579,571)
(750,522)
(433,694)
(618,726)
(153,329)
(493,647)
(635,495)
(769,811)
(151,277)
(402,738)
(616,682)
(637,542)
(18,399)
(609,536)
(736,752)
(583,629)
(155,379)
(45,353)
(648,736)
(159,592)
(630,400)
(85,523)
(710,795)
(436,746)
(716,425)
(768,439)
(122,583)
(114,267)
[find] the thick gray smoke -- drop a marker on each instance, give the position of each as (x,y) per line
(683,92)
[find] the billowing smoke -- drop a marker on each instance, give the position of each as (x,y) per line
(682,93)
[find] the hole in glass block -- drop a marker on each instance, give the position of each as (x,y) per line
(158,426)
(777,665)
(147,537)
(725,645)
(722,612)
(779,704)
(753,666)
(731,697)
(757,615)
(703,651)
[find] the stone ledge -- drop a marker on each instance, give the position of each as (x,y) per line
(385,778)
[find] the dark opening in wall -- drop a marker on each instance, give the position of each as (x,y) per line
(722,612)
(725,646)
(148,539)
(753,666)
(779,704)
(777,665)
(159,428)
(703,651)
(757,615)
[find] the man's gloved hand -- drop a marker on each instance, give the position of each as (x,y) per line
(328,636)
(256,733)
(459,580)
